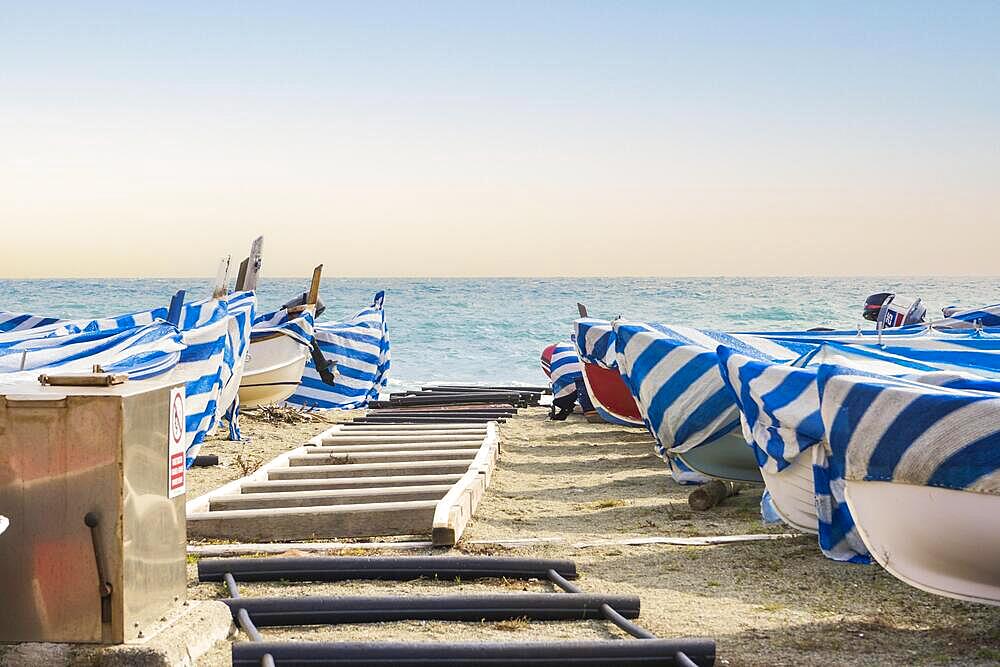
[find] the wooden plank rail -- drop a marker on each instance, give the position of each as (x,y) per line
(370,469)
(381,440)
(347,458)
(400,447)
(278,485)
(246,501)
(303,523)
(364,481)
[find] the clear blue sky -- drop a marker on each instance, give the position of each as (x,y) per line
(529,138)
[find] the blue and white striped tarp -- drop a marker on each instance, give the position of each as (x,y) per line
(360,349)
(216,335)
(595,342)
(564,370)
(912,432)
(206,351)
(673,373)
(780,406)
(142,352)
(298,325)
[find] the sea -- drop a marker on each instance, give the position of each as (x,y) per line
(492,330)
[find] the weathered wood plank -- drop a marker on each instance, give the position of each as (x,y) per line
(455,510)
(374,431)
(383,439)
(324,459)
(304,523)
(247,501)
(393,447)
(370,470)
(278,485)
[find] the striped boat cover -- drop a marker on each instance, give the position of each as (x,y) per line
(564,371)
(360,349)
(780,408)
(595,342)
(985,316)
(673,373)
(142,352)
(912,432)
(206,351)
(216,335)
(298,325)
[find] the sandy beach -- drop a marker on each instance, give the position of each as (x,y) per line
(567,485)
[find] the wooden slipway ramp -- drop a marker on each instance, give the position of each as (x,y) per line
(358,480)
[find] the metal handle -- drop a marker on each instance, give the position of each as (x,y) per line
(103,585)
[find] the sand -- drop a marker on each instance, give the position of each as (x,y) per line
(775,603)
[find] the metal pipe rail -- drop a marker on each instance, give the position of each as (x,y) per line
(334,610)
(359,609)
(428,420)
(383,568)
(595,653)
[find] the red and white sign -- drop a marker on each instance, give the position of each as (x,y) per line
(176,482)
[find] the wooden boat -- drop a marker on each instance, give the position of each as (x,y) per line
(275,361)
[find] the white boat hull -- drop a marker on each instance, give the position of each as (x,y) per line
(793,493)
(942,541)
(273,370)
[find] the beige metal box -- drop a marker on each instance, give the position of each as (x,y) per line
(68,452)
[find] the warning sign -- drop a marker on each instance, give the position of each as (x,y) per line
(176,483)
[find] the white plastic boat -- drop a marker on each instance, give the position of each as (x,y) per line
(943,541)
(793,494)
(272,371)
(279,348)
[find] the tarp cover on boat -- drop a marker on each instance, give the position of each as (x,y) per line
(206,351)
(360,349)
(945,434)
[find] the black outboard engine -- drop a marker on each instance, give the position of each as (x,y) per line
(300,300)
(892,310)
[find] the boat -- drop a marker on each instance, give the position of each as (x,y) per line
(280,345)
(612,400)
(201,344)
(350,362)
(672,373)
(921,469)
(562,366)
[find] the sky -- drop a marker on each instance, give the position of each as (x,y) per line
(505,138)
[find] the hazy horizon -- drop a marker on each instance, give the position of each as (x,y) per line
(453,140)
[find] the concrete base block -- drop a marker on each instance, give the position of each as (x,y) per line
(178,642)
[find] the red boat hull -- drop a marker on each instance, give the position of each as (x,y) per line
(609,392)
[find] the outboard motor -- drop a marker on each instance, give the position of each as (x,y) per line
(892,310)
(300,300)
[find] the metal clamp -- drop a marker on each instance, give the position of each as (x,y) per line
(104,586)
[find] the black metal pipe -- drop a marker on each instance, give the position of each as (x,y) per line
(430,412)
(387,568)
(206,461)
(654,652)
(534,390)
(608,611)
(242,616)
(683,661)
(326,610)
(458,399)
(472,421)
(234,590)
